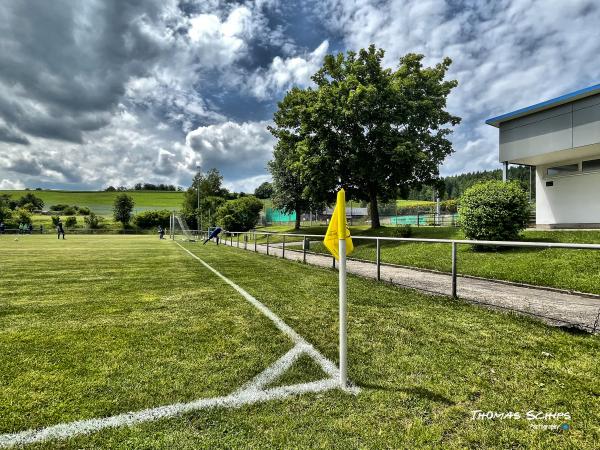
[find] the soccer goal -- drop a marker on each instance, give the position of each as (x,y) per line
(181,231)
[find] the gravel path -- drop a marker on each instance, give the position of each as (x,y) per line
(552,306)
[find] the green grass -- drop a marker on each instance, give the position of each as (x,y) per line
(95,326)
(414,203)
(577,270)
(101,202)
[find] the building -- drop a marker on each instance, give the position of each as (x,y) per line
(561,139)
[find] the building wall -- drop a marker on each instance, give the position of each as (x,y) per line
(564,127)
(573,200)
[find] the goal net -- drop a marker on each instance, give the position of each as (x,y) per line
(181,231)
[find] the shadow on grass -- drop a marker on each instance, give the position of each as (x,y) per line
(417,391)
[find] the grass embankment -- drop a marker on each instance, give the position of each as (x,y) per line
(101,202)
(560,268)
(129,322)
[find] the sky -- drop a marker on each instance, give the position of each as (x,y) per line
(107,92)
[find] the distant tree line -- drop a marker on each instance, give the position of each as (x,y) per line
(452,187)
(145,187)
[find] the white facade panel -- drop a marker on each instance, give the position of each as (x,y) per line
(571,199)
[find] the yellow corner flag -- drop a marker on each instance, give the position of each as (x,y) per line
(338,228)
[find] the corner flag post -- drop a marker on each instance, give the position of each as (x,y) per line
(339,242)
(343,302)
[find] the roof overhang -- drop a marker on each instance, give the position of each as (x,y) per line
(563,99)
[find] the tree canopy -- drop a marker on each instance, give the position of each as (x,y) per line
(264,191)
(122,208)
(376,132)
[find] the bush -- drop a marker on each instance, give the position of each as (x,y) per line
(450,206)
(5,213)
(404,231)
(71,222)
(240,214)
(152,219)
(84,211)
(93,221)
(494,210)
(122,208)
(58,207)
(23,216)
(69,211)
(55,220)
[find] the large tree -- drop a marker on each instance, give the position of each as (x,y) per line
(374,131)
(264,191)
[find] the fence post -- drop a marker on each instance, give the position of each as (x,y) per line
(304,250)
(255,247)
(453,269)
(238,239)
(378,258)
(267,244)
(283,248)
(333,262)
(418,221)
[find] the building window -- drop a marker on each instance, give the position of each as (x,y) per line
(562,170)
(591,165)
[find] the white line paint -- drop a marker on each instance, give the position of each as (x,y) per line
(252,392)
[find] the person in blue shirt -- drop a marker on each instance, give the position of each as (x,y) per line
(214,234)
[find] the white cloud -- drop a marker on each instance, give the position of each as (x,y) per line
(239,151)
(284,73)
(10,185)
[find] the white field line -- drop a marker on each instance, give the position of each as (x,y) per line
(250,393)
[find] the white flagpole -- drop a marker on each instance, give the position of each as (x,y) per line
(343,314)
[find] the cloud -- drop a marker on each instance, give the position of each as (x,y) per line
(9,185)
(239,151)
(284,73)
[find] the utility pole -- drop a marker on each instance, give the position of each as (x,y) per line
(198,217)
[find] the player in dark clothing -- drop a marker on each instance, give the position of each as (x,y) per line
(161,232)
(2,227)
(214,234)
(60,230)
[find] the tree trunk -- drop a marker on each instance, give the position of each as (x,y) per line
(374,211)
(298,215)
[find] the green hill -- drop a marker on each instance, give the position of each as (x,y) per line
(101,202)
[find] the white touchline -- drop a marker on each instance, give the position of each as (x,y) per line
(255,391)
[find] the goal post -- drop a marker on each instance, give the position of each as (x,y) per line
(181,230)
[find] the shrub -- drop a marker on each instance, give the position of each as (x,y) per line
(240,214)
(71,222)
(84,211)
(404,231)
(5,213)
(93,221)
(122,208)
(450,206)
(58,207)
(152,219)
(55,220)
(37,202)
(494,210)
(69,211)
(23,216)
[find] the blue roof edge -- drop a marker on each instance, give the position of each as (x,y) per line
(566,98)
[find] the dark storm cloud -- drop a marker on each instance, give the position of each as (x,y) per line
(62,68)
(11,136)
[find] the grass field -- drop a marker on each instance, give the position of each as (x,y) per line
(561,268)
(101,202)
(94,326)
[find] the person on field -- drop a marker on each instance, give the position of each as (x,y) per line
(30,228)
(60,229)
(2,227)
(20,228)
(214,234)
(161,232)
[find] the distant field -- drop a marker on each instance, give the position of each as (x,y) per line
(101,202)
(413,203)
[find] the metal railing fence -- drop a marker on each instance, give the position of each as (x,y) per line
(454,243)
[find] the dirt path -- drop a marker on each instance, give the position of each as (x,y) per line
(552,306)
